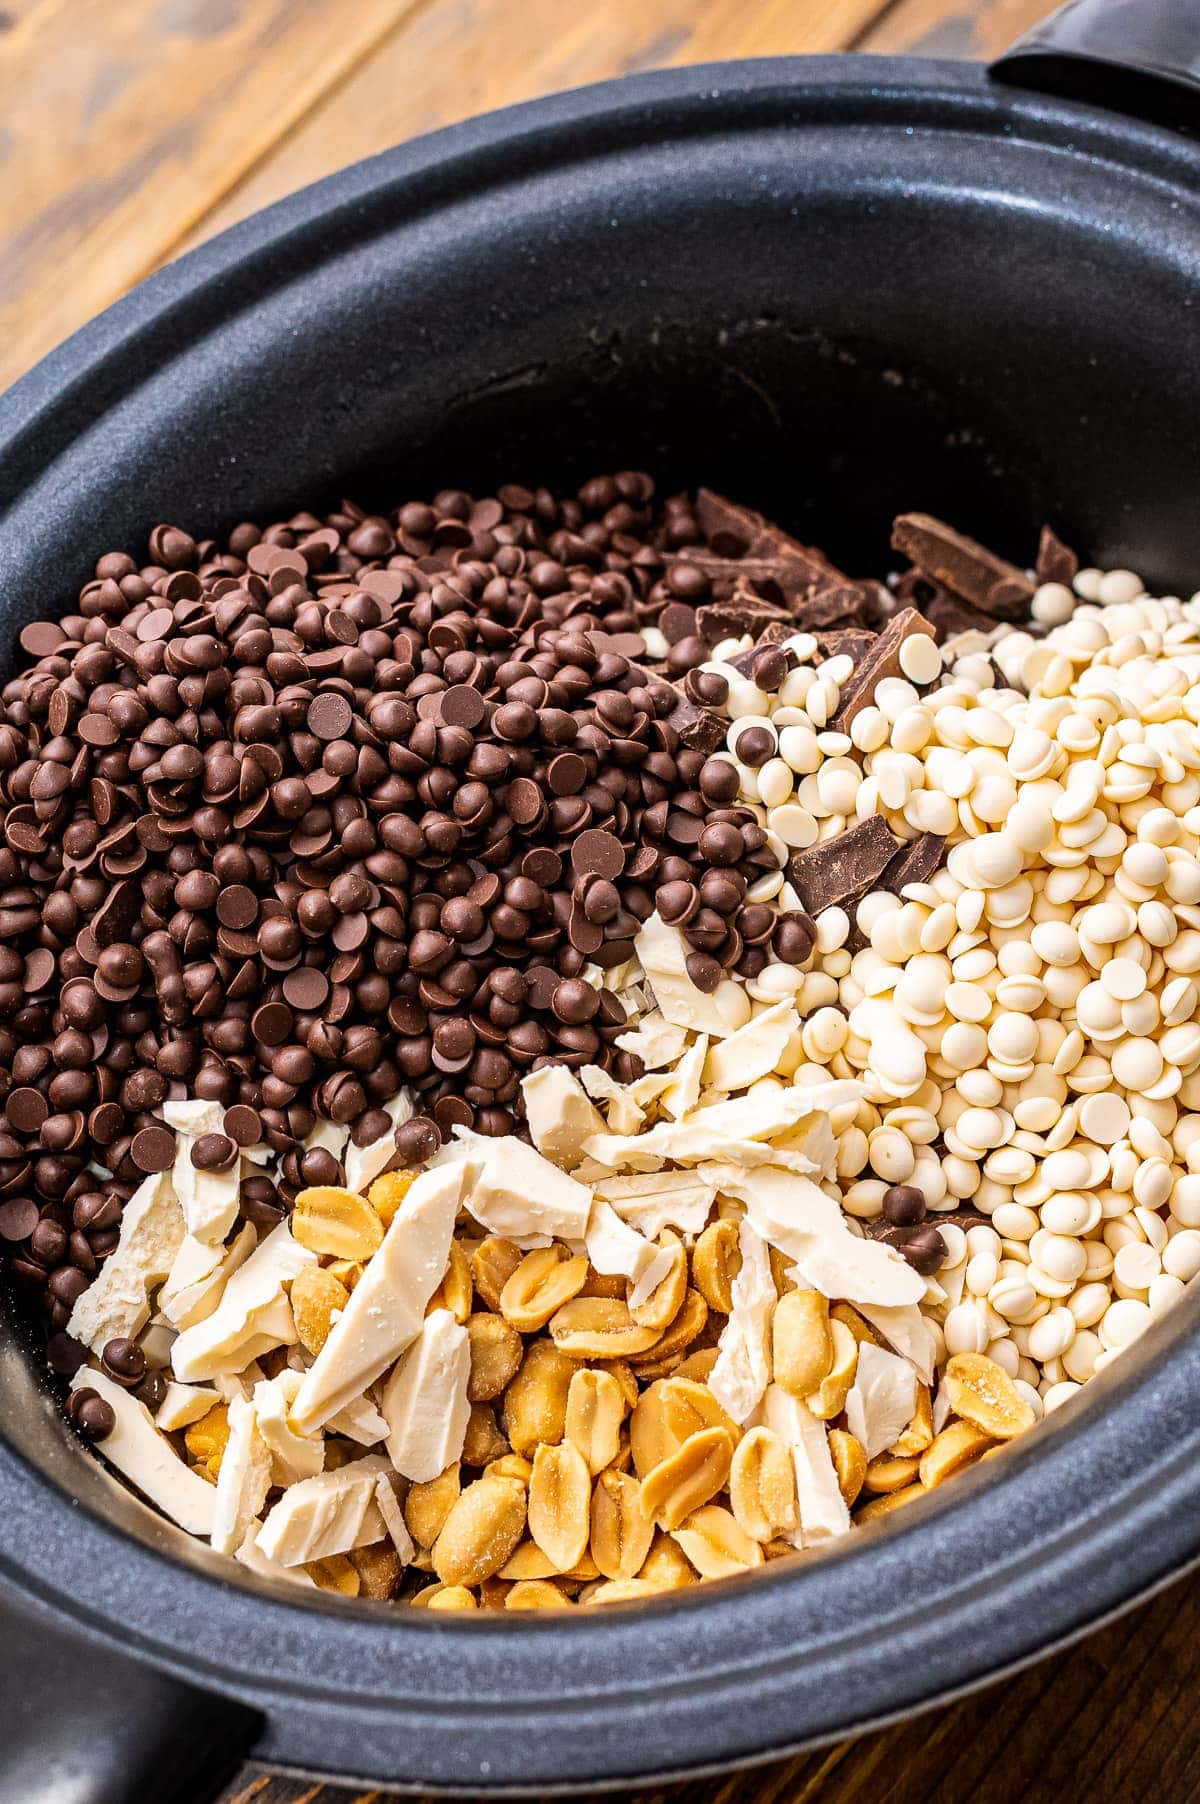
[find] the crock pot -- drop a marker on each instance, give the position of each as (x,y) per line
(835,287)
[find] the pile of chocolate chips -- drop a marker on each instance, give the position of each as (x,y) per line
(346,804)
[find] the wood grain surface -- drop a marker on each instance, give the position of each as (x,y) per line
(132,129)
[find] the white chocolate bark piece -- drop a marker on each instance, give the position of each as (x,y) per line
(147,1459)
(525,1198)
(244,1478)
(393,1516)
(325,1515)
(652,1201)
(359,1421)
(559,1114)
(882,1399)
(199,1274)
(625,1116)
(743,1368)
(118,1302)
(209,1198)
(617,1250)
(294,1456)
(905,1328)
(183,1405)
(657,1042)
(252,1316)
(754,1050)
(424,1402)
(254,1560)
(822,1509)
(760,1117)
(387,1305)
(364,1163)
(663,953)
(194,1117)
(683,1092)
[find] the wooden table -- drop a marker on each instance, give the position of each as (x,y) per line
(132,129)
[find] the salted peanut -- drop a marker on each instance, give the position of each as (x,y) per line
(622,1459)
(536,1594)
(535,1403)
(328,1219)
(604,1284)
(716,1544)
(483,1442)
(427,1506)
(882,1506)
(801,1342)
(958,1446)
(687,1325)
(698,1364)
(716,1262)
(493,1263)
(447,1597)
(346,1271)
(599,1328)
(560,1492)
(528,1562)
(493,1592)
(688,1478)
(849,1463)
(481,1531)
(622,1371)
(982,1392)
(621,1531)
(650,1436)
(335,1573)
(595,1412)
(545,1280)
(781,1548)
(456,1289)
(511,1465)
(317,1296)
(690,1406)
(666,1566)
(496,1350)
(919,1433)
(887,1474)
(829,1399)
(666,1299)
(781,1271)
(618,1591)
(387,1193)
(379,1568)
(858,1325)
(762,1485)
(207,1439)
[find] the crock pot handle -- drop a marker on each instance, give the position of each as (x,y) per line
(1137,56)
(86,1724)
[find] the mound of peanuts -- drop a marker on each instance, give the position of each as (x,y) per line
(865,1216)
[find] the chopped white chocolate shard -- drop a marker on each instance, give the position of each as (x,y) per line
(525,1198)
(657,1042)
(209,1198)
(294,1455)
(743,1368)
(424,1402)
(559,1114)
(759,1117)
(387,1305)
(199,1274)
(117,1303)
(616,1249)
(183,1405)
(624,1115)
(393,1516)
(147,1459)
(244,1478)
(754,1050)
(359,1421)
(328,1514)
(682,1094)
(254,1560)
(663,952)
(905,1328)
(194,1117)
(252,1316)
(822,1510)
(882,1399)
(363,1164)
(654,1200)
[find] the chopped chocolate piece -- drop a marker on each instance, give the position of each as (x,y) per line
(846,642)
(742,614)
(882,660)
(729,528)
(697,727)
(1056,562)
(836,872)
(974,573)
(946,614)
(914,863)
(781,580)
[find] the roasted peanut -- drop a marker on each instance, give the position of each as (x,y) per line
(617,1591)
(671,1346)
(716,1262)
(328,1219)
(858,1325)
(595,1412)
(665,1301)
(849,1462)
(446,1597)
(560,1489)
(427,1506)
(982,1392)
(207,1439)
(335,1573)
(958,1446)
(650,1436)
(666,1566)
(688,1478)
(379,1569)
(689,1407)
(511,1465)
(496,1351)
(621,1530)
(535,1403)
(716,1544)
(762,1485)
(829,1399)
(387,1193)
(882,1506)
(483,1443)
(493,1263)
(801,1342)
(316,1297)
(886,1473)
(536,1594)
(919,1433)
(455,1290)
(599,1328)
(480,1532)
(545,1280)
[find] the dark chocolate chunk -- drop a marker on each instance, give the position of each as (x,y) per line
(881,660)
(959,563)
(1056,562)
(697,727)
(914,863)
(742,613)
(837,872)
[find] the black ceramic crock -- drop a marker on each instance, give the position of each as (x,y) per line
(837,288)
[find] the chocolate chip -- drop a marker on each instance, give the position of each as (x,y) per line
(329,716)
(597,853)
(243,1125)
(153,1149)
(904,1205)
(214,1152)
(92,1414)
(26,1110)
(124,1362)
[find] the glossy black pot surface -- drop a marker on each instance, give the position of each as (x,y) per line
(837,288)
